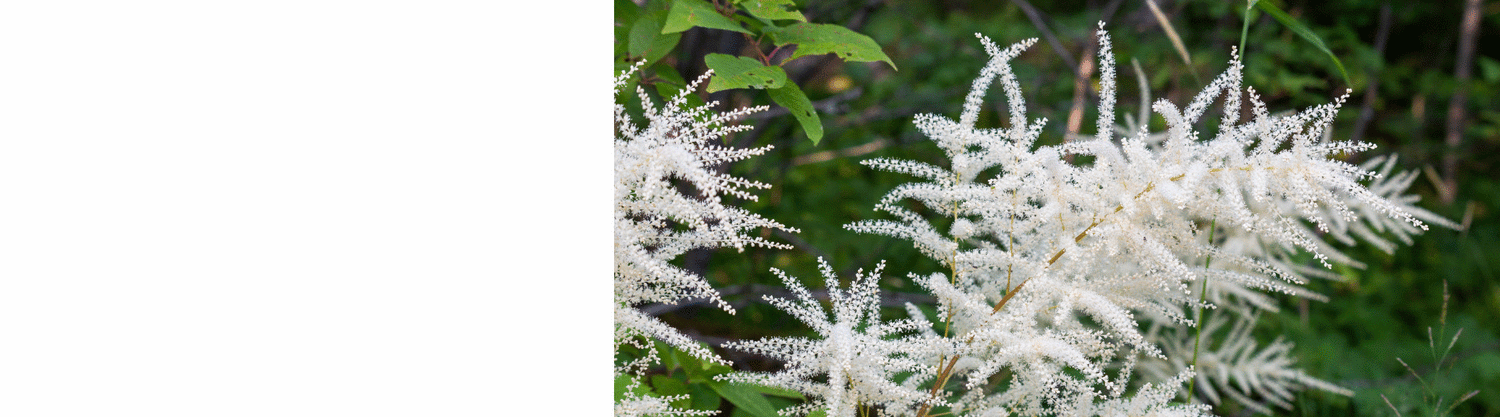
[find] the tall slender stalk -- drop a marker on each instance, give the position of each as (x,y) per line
(1202,295)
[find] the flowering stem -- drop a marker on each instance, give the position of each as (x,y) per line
(1202,295)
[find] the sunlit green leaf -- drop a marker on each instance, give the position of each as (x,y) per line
(818,39)
(740,72)
(686,14)
(773,9)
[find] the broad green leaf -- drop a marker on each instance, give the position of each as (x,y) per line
(626,11)
(1304,32)
(819,38)
(646,40)
(686,14)
(740,72)
(704,397)
(755,24)
(745,398)
(667,386)
(794,99)
(699,370)
(667,354)
(773,9)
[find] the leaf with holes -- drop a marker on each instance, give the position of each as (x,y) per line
(818,39)
(686,14)
(732,72)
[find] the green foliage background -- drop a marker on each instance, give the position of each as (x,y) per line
(864,110)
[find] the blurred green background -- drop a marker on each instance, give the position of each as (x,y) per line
(1400,57)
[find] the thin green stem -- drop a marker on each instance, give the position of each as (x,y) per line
(1245,29)
(1202,295)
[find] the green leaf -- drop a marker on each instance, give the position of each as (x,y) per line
(773,10)
(699,370)
(686,14)
(1304,32)
(819,38)
(626,13)
(744,397)
(1490,68)
(667,386)
(740,72)
(646,40)
(794,99)
(667,354)
(704,397)
(779,392)
(621,383)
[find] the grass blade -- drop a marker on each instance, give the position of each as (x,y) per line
(1303,31)
(1172,35)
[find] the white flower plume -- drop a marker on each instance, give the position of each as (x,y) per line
(858,353)
(1074,252)
(656,220)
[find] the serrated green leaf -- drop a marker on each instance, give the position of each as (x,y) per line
(773,9)
(740,72)
(819,38)
(792,97)
(686,14)
(745,398)
(646,40)
(1304,32)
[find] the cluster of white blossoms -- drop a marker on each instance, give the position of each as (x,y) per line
(1054,265)
(858,355)
(658,218)
(1071,267)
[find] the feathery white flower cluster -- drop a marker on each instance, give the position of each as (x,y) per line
(1053,265)
(1051,261)
(1237,368)
(656,220)
(859,354)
